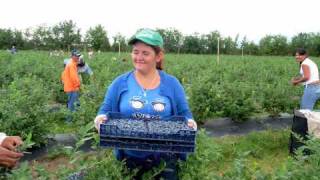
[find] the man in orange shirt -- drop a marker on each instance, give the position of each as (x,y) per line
(71,81)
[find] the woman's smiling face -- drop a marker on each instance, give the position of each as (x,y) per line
(300,58)
(144,57)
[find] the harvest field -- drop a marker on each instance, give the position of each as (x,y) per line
(32,102)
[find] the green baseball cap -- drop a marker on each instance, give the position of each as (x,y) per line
(75,52)
(148,36)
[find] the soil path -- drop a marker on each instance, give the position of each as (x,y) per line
(225,126)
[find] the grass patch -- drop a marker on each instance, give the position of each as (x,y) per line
(266,150)
(62,127)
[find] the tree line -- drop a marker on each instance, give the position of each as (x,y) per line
(66,35)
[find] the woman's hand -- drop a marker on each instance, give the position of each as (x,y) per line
(9,158)
(98,120)
(295,81)
(192,124)
(11,142)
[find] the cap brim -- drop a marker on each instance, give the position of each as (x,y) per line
(134,40)
(77,55)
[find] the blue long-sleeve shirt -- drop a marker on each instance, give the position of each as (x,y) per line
(170,87)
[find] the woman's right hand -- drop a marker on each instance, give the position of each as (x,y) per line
(9,158)
(98,120)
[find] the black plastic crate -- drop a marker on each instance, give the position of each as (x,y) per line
(299,128)
(165,135)
(148,145)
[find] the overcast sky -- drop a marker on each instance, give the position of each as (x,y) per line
(251,18)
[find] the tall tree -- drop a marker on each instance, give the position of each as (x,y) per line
(229,46)
(191,44)
(18,39)
(97,38)
(274,45)
(172,39)
(6,38)
(119,40)
(316,44)
(42,38)
(66,35)
(212,41)
(252,48)
(28,38)
(301,40)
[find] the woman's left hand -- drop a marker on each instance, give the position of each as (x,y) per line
(295,81)
(192,124)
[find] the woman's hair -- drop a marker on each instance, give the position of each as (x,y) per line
(157,50)
(301,51)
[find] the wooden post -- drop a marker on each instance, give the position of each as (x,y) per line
(218,51)
(119,50)
(180,43)
(242,52)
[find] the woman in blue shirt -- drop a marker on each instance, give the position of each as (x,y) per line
(146,92)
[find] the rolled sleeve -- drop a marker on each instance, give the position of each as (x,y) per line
(2,137)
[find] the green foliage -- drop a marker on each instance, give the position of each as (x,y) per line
(237,87)
(230,46)
(276,101)
(274,45)
(31,102)
(102,165)
(227,158)
(201,164)
(42,38)
(221,99)
(97,38)
(27,143)
(119,41)
(42,173)
(22,173)
(24,109)
(191,44)
(310,41)
(172,39)
(6,37)
(9,37)
(106,166)
(303,166)
(65,34)
(5,61)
